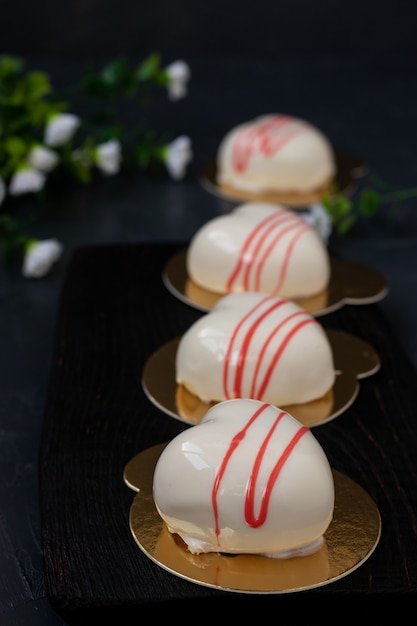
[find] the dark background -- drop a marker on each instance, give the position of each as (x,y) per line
(350,68)
(91,29)
(299,57)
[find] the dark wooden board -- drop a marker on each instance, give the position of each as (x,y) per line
(114,312)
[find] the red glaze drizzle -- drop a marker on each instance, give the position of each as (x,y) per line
(263,238)
(265,138)
(301,228)
(242,360)
(263,228)
(250,516)
(278,355)
(233,338)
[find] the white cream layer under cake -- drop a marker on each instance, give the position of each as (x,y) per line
(248,479)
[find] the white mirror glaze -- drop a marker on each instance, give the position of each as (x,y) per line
(276,153)
(259,246)
(249,478)
(251,345)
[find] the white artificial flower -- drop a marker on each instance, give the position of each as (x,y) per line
(40,256)
(177,156)
(26,180)
(2,190)
(42,158)
(179,74)
(107,157)
(61,128)
(318,217)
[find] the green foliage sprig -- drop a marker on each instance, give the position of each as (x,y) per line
(28,103)
(344,211)
(42,135)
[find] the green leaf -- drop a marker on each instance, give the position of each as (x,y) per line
(38,85)
(148,68)
(16,147)
(11,239)
(337,206)
(9,227)
(115,79)
(118,77)
(80,169)
(345,224)
(115,73)
(10,66)
(369,203)
(93,86)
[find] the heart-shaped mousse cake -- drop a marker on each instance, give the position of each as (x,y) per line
(259,247)
(251,345)
(249,478)
(276,153)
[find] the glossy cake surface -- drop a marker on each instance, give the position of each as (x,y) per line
(248,479)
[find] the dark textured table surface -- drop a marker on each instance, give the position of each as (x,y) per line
(367,107)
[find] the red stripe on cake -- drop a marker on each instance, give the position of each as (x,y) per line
(265,138)
(250,517)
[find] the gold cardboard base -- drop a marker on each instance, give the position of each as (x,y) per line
(349,168)
(350,540)
(350,283)
(353,359)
